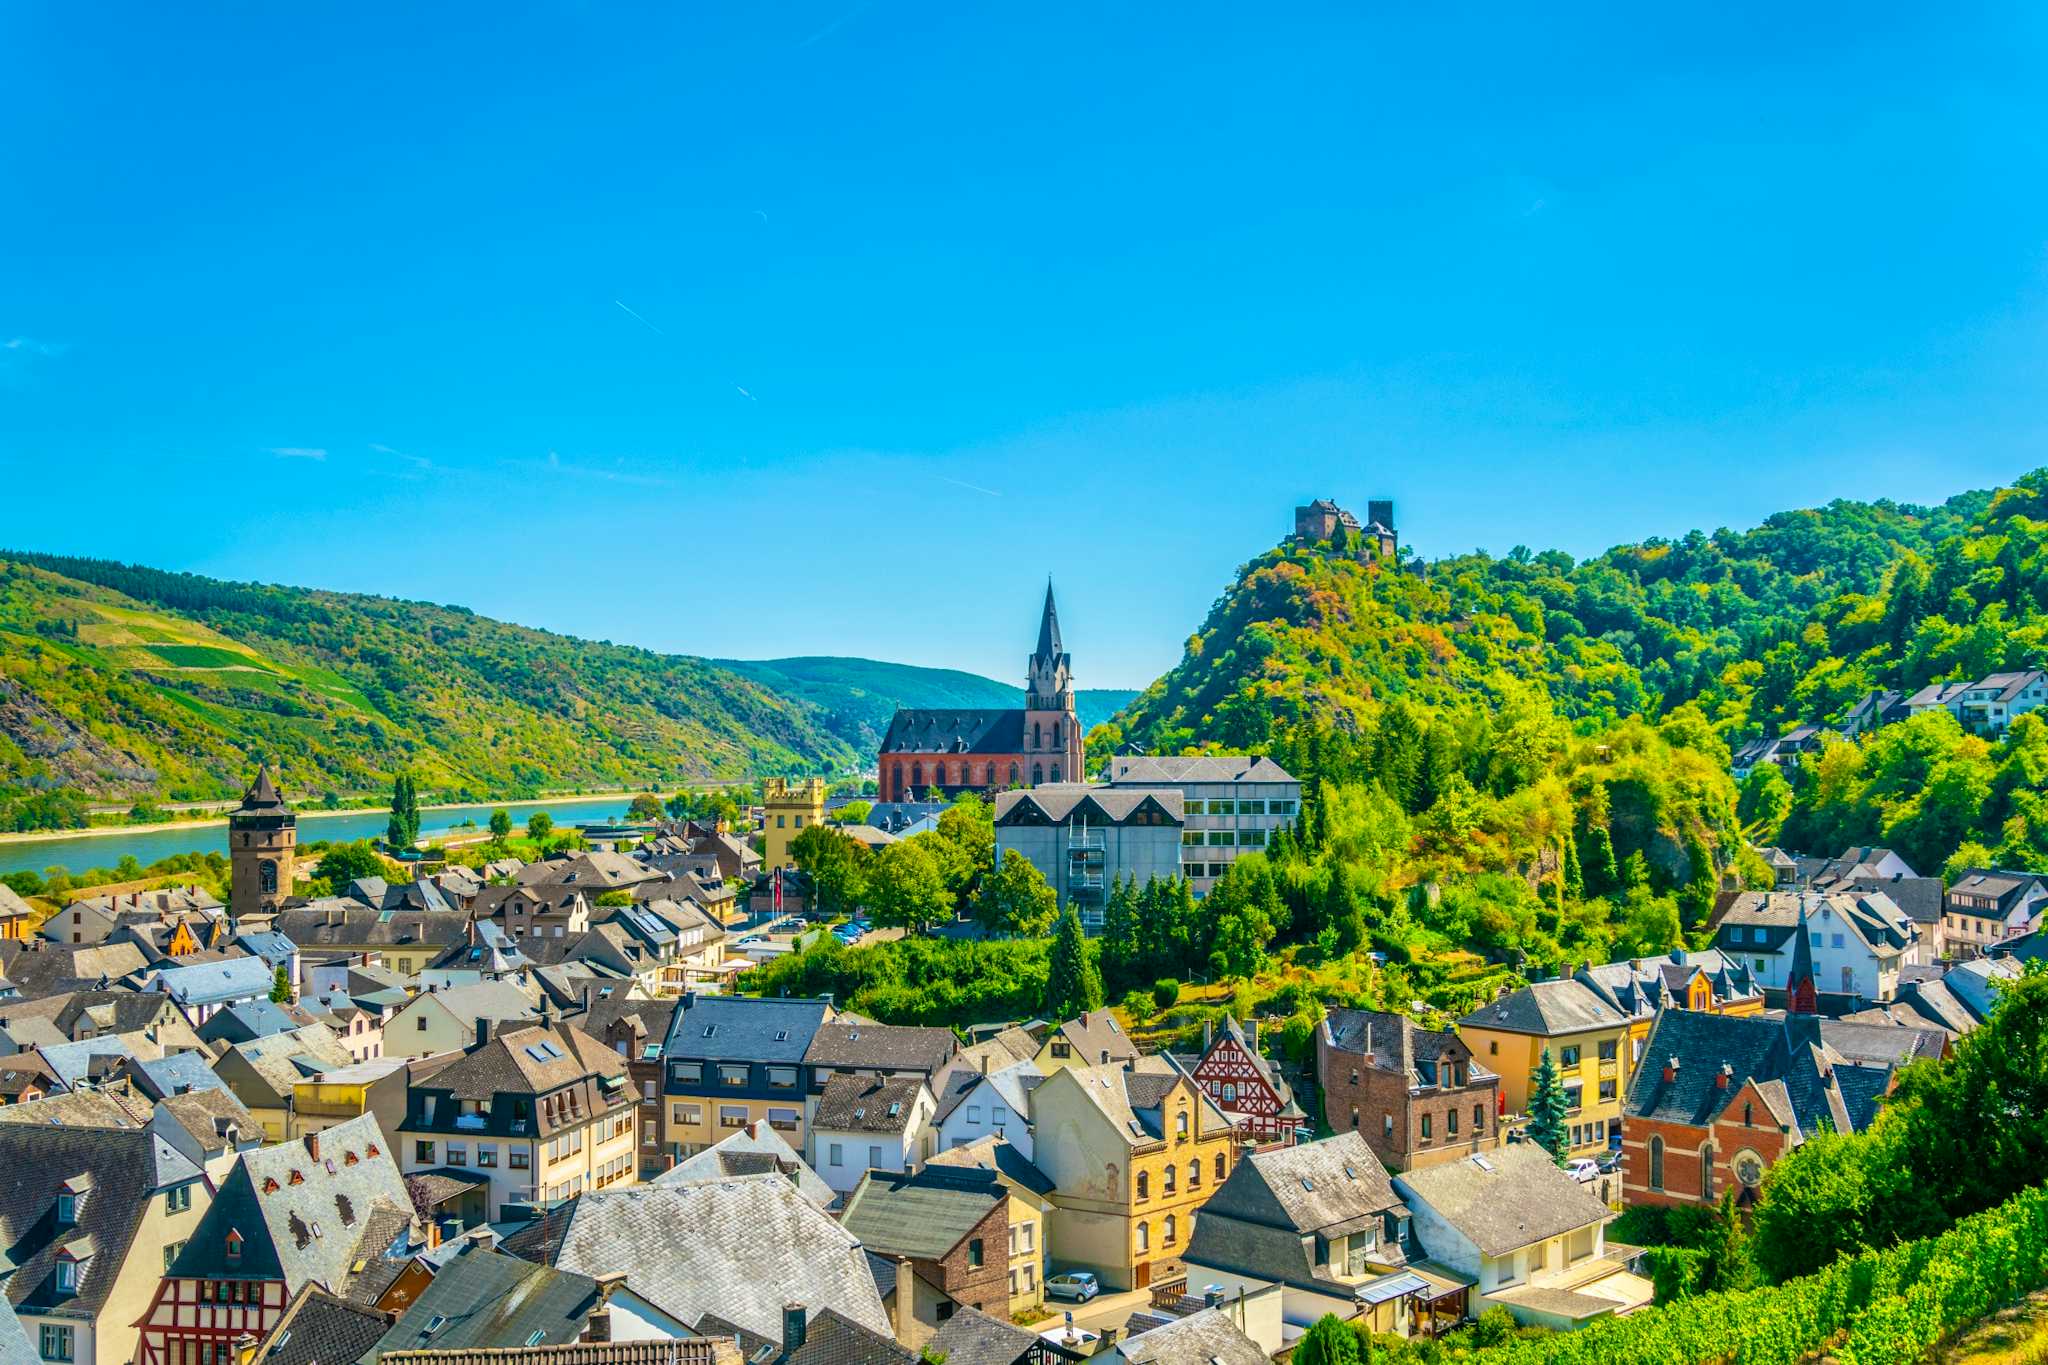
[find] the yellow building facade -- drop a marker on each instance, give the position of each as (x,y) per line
(788,808)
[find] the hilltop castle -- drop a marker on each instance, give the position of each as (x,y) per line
(1324,520)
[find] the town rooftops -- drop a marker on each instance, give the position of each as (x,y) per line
(1140,769)
(1051,803)
(700,1350)
(484,1298)
(1205,1338)
(525,1061)
(740,1028)
(955,731)
(1096,1037)
(922,1215)
(972,1337)
(1547,1009)
(1505,1199)
(1333,1187)
(319,1328)
(881,1047)
(860,1104)
(756,1149)
(1693,1063)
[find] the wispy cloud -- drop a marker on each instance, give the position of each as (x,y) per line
(971,487)
(826,32)
(416,461)
(49,350)
(616,472)
(744,394)
(298,452)
(642,321)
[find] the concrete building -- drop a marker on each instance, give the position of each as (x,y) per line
(1230,804)
(1084,839)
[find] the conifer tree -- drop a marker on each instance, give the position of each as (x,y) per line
(1072,985)
(1548,1110)
(1121,957)
(403,828)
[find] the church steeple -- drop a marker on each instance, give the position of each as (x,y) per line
(1801,989)
(1048,629)
(1049,683)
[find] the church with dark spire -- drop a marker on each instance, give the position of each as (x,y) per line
(954,750)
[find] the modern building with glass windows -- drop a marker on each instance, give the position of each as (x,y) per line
(1229,803)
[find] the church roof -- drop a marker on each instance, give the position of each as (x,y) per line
(1049,629)
(955,732)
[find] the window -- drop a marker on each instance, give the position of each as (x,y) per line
(1169,1230)
(974,1253)
(1168,1181)
(1222,808)
(1251,808)
(458,1154)
(171,1250)
(1144,1237)
(1608,1048)
(67,1276)
(1607,1090)
(1252,838)
(67,1210)
(518,1158)
(686,1073)
(1180,1124)
(423,1152)
(1707,1172)
(177,1199)
(487,1154)
(1229,1093)
(1222,838)
(785,1120)
(1450,1123)
(1387,1127)
(55,1342)
(874,1158)
(1144,1184)
(1194,807)
(1568,1056)
(782,1077)
(1656,1163)
(1191,837)
(974,1113)
(421,1021)
(1195,1174)
(1478,1118)
(731,1074)
(732,1116)
(1425,1127)
(1222,1166)
(835,1155)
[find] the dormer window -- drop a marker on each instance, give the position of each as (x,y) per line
(233,1249)
(67,1209)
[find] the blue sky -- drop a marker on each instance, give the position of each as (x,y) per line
(833,327)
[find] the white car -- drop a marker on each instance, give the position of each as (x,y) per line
(1583,1169)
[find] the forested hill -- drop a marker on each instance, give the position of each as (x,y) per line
(119,683)
(1788,620)
(859,696)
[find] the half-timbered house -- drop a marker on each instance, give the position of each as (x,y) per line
(1244,1085)
(287,1216)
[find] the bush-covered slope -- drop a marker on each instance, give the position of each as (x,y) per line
(118,682)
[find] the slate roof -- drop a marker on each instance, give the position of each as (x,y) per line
(304,1229)
(1115,805)
(955,731)
(1265,1217)
(525,1061)
(717,1028)
(1013,1083)
(922,1215)
(1098,1038)
(177,1074)
(1138,769)
(282,1060)
(249,1019)
(1790,1050)
(1205,1338)
(207,1115)
(703,1350)
(972,1337)
(350,924)
(992,1153)
(1546,1009)
(832,1338)
(320,1329)
(118,1171)
(485,1299)
(598,870)
(881,1047)
(862,1104)
(756,1149)
(739,1248)
(1506,1199)
(80,1109)
(38,968)
(1010,1045)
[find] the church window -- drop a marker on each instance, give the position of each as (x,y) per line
(1037,735)
(1013,773)
(1656,1163)
(917,775)
(266,877)
(1056,743)
(1037,774)
(1055,772)
(1707,1171)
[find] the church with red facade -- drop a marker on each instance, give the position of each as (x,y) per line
(958,750)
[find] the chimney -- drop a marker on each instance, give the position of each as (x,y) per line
(792,1328)
(312,1141)
(483,1030)
(1212,1297)
(906,1300)
(433,1233)
(1724,1076)
(1251,1032)
(1208,1034)
(983,1059)
(1670,1070)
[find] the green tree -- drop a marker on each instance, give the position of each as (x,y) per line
(645,810)
(344,863)
(501,824)
(1548,1110)
(1072,985)
(612,900)
(906,887)
(1015,899)
(402,830)
(1120,955)
(1328,1341)
(836,864)
(539,826)
(854,813)
(281,986)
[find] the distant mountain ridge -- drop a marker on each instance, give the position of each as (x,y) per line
(858,696)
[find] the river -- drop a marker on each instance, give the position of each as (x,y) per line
(76,853)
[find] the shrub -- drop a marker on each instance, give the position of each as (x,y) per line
(1165,992)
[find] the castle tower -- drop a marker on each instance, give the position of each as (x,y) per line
(1052,732)
(263,835)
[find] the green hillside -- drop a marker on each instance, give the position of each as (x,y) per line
(858,696)
(119,683)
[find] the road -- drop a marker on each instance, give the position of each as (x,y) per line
(1104,1310)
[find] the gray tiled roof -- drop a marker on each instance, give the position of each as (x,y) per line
(484,1298)
(1546,1009)
(972,1337)
(922,1215)
(738,1248)
(319,1328)
(753,1150)
(862,1104)
(1205,1338)
(881,1047)
(1114,804)
(1138,769)
(736,1028)
(955,731)
(1788,1049)
(1506,1199)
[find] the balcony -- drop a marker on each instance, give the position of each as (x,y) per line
(1083,839)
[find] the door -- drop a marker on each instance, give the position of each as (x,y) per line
(1143,1278)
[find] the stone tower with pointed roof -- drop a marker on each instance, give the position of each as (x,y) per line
(263,837)
(1802,991)
(954,750)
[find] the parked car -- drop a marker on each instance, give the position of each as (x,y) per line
(1583,1169)
(1078,1285)
(1610,1163)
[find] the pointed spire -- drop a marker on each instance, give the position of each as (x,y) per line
(1049,628)
(1801,989)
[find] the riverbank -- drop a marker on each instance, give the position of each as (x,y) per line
(174,826)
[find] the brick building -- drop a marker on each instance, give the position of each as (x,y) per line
(958,750)
(951,1225)
(1416,1095)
